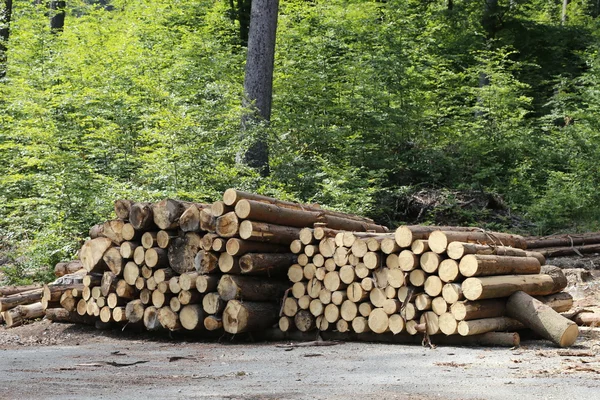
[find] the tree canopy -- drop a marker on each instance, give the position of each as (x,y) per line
(375,105)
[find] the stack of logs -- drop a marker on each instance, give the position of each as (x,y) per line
(430,280)
(565,245)
(186,266)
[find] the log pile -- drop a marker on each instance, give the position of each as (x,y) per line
(565,245)
(430,280)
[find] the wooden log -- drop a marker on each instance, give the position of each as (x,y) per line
(408,261)
(192,317)
(163,238)
(207,283)
(342,326)
(63,268)
(587,319)
(228,225)
(127,249)
(559,302)
(438,240)
(189,297)
(468,310)
(239,247)
(407,234)
(182,252)
(373,260)
(219,245)
(81,307)
(105,314)
(306,236)
(131,272)
(439,305)
(263,232)
(249,316)
(569,251)
(299,289)
(316,307)
(266,263)
(423,302)
(122,207)
(174,285)
(207,241)
(212,303)
(160,299)
(305,321)
(457,250)
(433,286)
(11,290)
(125,290)
(359,248)
(213,323)
(566,240)
(118,314)
(430,262)
(431,321)
(479,326)
(62,315)
(129,233)
(166,213)
(96,231)
(139,254)
(327,247)
(449,271)
(67,301)
(379,321)
(452,292)
(18,315)
(504,285)
(208,222)
(249,288)
(419,246)
(486,265)
(134,311)
(113,301)
(286,324)
(112,230)
(141,217)
(340,256)
(114,260)
(108,283)
(151,321)
(309,271)
(187,281)
(391,261)
(156,257)
(417,277)
(189,221)
(448,324)
(542,319)
(219,208)
(27,297)
(207,262)
(169,319)
(91,254)
(149,239)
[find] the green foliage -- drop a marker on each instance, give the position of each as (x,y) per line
(374,103)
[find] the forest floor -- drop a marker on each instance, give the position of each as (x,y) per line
(44,360)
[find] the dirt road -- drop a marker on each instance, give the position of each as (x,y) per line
(74,362)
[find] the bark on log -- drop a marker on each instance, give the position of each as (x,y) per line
(122,208)
(11,290)
(187,281)
(479,326)
(438,240)
(263,232)
(266,263)
(109,283)
(229,264)
(140,216)
(92,252)
(569,251)
(486,265)
(186,297)
(64,268)
(569,240)
(228,225)
(163,238)
(166,213)
(27,297)
(212,303)
(206,262)
(504,285)
(192,317)
(407,234)
(163,274)
(587,319)
(249,288)
(542,319)
(207,283)
(559,302)
(182,252)
(190,220)
(238,247)
(62,315)
(169,319)
(249,316)
(457,250)
(114,260)
(156,257)
(468,310)
(219,208)
(19,314)
(130,233)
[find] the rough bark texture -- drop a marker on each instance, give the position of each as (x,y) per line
(249,316)
(250,288)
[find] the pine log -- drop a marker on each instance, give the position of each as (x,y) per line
(134,311)
(91,254)
(11,290)
(130,233)
(27,297)
(174,285)
(304,321)
(219,208)
(542,319)
(408,261)
(118,314)
(62,315)
(127,249)
(569,251)
(109,283)
(206,262)
(430,262)
(379,321)
(249,316)
(559,302)
(182,252)
(468,310)
(266,263)
(550,282)
(105,314)
(192,317)
(122,208)
(249,288)
(567,240)
(113,301)
(407,234)
(96,231)
(452,292)
(213,323)
(228,225)
(419,246)
(151,321)
(457,250)
(63,268)
(263,232)
(433,285)
(479,326)
(438,240)
(219,245)
(306,236)
(207,283)
(114,260)
(163,274)
(229,264)
(18,315)
(439,305)
(208,222)
(189,221)
(81,307)
(449,271)
(212,303)
(156,257)
(169,319)
(431,321)
(163,238)
(486,265)
(141,217)
(238,247)
(423,302)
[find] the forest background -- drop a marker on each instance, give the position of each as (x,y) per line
(472,112)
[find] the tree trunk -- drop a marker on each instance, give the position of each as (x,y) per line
(62,315)
(134,311)
(140,216)
(249,288)
(65,268)
(266,263)
(122,208)
(258,79)
(212,303)
(457,250)
(238,247)
(57,15)
(542,319)
(438,240)
(263,232)
(207,283)
(10,290)
(166,213)
(249,316)
(484,325)
(486,265)
(407,234)
(228,225)
(182,252)
(16,316)
(192,317)
(5,18)
(27,297)
(563,240)
(114,260)
(92,252)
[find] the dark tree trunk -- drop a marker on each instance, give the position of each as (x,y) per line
(5,16)
(57,15)
(258,80)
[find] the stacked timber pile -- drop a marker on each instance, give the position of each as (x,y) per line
(430,280)
(186,266)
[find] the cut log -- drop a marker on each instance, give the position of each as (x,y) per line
(438,240)
(67,301)
(431,321)
(379,321)
(433,286)
(468,310)
(207,262)
(219,208)
(457,250)
(109,283)
(156,257)
(166,213)
(408,261)
(187,281)
(417,277)
(486,265)
(163,238)
(151,321)
(430,262)
(266,263)
(249,316)
(373,260)
(105,314)
(140,216)
(127,249)
(130,233)
(219,244)
(62,315)
(452,292)
(160,299)
(238,247)
(11,290)
(91,254)
(113,301)
(448,324)
(478,326)
(439,305)
(114,260)
(228,225)
(568,251)
(27,297)
(18,315)
(568,240)
(587,319)
(213,323)
(263,232)
(118,314)
(122,208)
(505,285)
(249,288)
(63,268)
(182,252)
(542,319)
(559,302)
(208,222)
(316,307)
(207,283)
(139,254)
(305,321)
(125,290)
(189,297)
(131,272)
(342,326)
(134,311)
(174,285)
(449,271)
(423,302)
(406,235)
(419,246)
(190,219)
(192,317)
(327,247)
(169,319)
(212,303)
(229,264)
(149,239)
